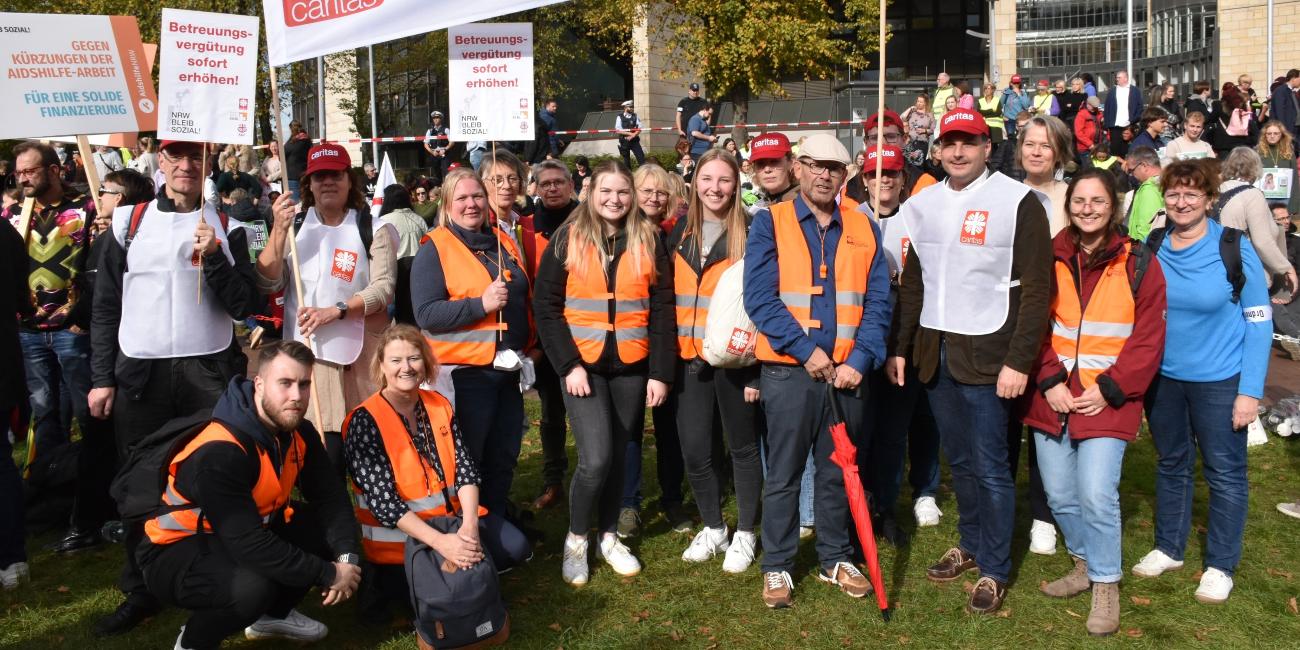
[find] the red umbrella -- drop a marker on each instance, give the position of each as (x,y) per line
(846,456)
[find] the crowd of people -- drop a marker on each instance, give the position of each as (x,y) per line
(982,272)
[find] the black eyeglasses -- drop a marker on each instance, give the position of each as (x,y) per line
(104,191)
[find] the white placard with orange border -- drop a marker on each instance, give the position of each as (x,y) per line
(72,74)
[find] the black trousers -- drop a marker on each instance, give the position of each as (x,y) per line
(552,430)
(175,388)
(200,574)
(706,395)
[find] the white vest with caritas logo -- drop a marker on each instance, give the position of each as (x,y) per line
(162,316)
(964,240)
(334,268)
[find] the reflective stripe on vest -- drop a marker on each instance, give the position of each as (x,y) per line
(993,122)
(417,483)
(1088,340)
(587,306)
(693,294)
(270,493)
(466,278)
(853,257)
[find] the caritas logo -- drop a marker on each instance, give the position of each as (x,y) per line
(325,153)
(306,12)
(959,116)
(975,227)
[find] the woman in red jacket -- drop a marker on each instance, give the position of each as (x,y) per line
(1108,332)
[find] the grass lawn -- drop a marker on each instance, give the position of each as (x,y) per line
(674,604)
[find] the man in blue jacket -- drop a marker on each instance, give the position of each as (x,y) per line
(1123,107)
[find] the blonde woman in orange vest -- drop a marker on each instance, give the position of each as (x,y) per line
(705,244)
(605,316)
(1106,343)
(230,542)
(409,463)
(817,287)
(471,297)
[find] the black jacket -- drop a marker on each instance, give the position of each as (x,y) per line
(14,299)
(219,478)
(295,158)
(233,287)
(553,329)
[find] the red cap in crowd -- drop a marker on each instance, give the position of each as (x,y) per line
(890,118)
(1015,78)
(962,120)
(769,146)
(167,144)
(891,158)
(327,156)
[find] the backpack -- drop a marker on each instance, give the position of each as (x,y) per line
(1229,252)
(142,478)
(1225,197)
(1238,123)
(729,334)
(454,607)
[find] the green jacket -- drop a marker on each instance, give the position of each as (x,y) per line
(1147,201)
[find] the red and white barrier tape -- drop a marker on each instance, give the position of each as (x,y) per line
(661,129)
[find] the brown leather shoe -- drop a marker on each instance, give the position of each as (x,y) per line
(551,495)
(848,578)
(987,596)
(950,567)
(778,589)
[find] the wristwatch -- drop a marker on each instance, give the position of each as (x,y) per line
(349,558)
(343,309)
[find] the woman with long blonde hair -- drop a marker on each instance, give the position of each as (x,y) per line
(1277,151)
(604,311)
(704,245)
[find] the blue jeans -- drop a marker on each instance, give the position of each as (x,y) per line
(669,468)
(798,420)
(476,157)
(53,359)
(492,426)
(807,518)
(904,427)
(1082,483)
(972,423)
(1186,416)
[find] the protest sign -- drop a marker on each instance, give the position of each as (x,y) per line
(69,75)
(490,81)
(302,29)
(207,77)
(1276,182)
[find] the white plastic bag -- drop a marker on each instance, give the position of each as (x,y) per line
(729,334)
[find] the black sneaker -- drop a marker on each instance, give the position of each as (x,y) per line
(629,523)
(679,519)
(887,529)
(125,618)
(77,540)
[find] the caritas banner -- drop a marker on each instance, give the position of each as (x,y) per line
(207,76)
(490,81)
(302,29)
(71,75)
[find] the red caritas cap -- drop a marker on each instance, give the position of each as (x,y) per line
(891,118)
(1015,78)
(169,144)
(891,158)
(769,146)
(962,120)
(327,156)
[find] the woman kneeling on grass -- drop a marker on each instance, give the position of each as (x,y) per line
(1107,336)
(604,304)
(1210,381)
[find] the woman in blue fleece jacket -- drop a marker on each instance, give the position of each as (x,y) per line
(1210,381)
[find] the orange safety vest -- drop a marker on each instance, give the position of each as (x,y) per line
(1089,339)
(587,307)
(466,277)
(417,484)
(853,258)
(270,493)
(693,294)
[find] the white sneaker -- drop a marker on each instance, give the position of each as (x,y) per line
(574,568)
(707,543)
(1255,433)
(14,574)
(1042,538)
(295,627)
(618,556)
(1215,587)
(1155,563)
(1289,509)
(927,512)
(741,552)
(178,645)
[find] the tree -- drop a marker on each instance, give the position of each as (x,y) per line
(742,47)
